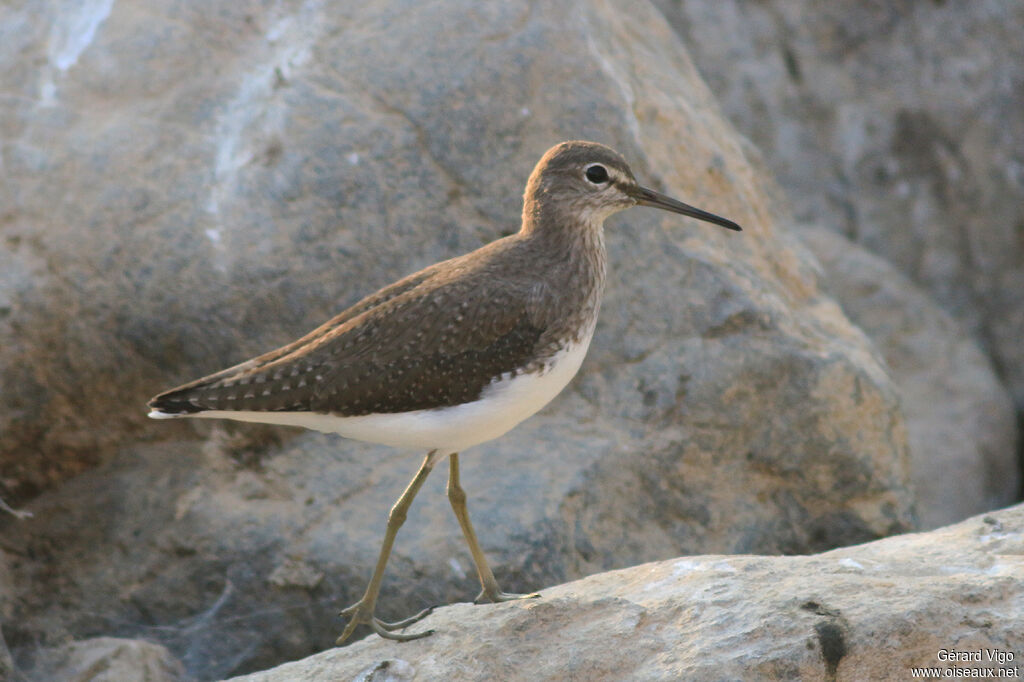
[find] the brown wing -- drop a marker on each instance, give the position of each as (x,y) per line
(435,339)
(438,349)
(189,397)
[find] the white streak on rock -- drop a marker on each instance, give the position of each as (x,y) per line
(75,30)
(457,568)
(255,113)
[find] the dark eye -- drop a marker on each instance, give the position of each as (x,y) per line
(596,174)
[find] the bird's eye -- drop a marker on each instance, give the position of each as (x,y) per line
(596,173)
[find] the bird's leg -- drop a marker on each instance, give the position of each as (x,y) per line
(457,496)
(362,610)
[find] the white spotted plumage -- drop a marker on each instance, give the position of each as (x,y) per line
(504,404)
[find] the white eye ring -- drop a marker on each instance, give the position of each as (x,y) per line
(596,174)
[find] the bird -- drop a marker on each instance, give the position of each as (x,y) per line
(452,356)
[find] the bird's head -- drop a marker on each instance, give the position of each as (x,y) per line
(590,181)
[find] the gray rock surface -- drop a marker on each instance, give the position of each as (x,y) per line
(960,419)
(190,185)
(109,659)
(897,124)
(871,612)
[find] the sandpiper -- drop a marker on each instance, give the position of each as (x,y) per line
(453,355)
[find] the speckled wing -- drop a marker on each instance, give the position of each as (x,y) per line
(435,348)
(196,396)
(434,339)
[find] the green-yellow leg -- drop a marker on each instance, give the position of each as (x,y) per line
(457,496)
(362,610)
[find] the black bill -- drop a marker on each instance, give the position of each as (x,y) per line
(648,197)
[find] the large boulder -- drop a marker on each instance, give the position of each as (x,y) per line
(945,603)
(961,421)
(896,124)
(187,185)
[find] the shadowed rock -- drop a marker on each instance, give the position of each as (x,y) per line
(960,419)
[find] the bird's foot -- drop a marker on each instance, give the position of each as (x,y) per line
(362,612)
(497,596)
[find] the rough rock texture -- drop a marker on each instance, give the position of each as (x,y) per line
(897,124)
(960,419)
(186,185)
(108,659)
(7,667)
(870,612)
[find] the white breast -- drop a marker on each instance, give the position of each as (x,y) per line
(503,404)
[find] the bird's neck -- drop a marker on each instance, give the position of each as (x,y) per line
(570,249)
(563,230)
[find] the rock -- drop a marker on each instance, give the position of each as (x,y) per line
(8,671)
(871,612)
(896,124)
(109,659)
(231,175)
(960,419)
(16,513)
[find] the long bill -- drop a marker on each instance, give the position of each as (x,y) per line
(648,197)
